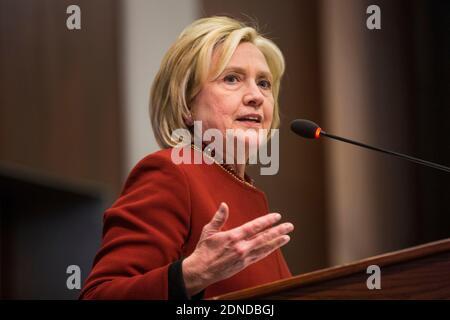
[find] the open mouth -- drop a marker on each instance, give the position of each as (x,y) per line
(250,118)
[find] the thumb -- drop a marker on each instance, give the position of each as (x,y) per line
(219,219)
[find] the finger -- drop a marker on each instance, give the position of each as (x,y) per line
(253,227)
(268,235)
(263,251)
(219,219)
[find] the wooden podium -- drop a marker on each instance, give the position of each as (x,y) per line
(421,272)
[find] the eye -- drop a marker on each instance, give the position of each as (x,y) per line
(265,84)
(231,78)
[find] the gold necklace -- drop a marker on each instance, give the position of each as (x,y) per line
(223,168)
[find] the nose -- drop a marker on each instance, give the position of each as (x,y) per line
(253,96)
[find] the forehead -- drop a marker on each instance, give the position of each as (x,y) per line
(246,55)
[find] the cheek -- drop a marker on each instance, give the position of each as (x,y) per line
(225,109)
(219,113)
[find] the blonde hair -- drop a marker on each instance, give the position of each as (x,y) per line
(186,66)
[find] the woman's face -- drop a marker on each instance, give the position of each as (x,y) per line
(241,97)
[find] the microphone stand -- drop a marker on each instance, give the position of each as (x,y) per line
(396,154)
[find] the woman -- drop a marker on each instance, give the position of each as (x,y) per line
(189,230)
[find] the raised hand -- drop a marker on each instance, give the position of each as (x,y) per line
(221,254)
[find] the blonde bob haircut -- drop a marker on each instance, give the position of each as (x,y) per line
(186,66)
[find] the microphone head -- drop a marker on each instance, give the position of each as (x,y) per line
(306,129)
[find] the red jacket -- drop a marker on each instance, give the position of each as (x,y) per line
(158,218)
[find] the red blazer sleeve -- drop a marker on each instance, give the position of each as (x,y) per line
(143,233)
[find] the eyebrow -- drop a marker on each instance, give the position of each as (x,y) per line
(243,71)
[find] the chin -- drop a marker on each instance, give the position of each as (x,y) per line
(250,137)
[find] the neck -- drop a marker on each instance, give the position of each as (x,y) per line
(240,170)
(237,164)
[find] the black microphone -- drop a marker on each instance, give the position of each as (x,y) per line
(310,130)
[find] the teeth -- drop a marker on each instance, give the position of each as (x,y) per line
(250,118)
